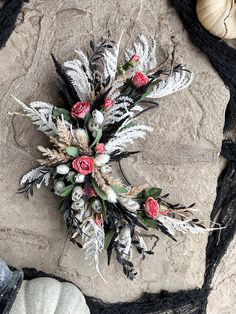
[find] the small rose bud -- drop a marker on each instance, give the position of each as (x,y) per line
(62,169)
(140,79)
(109,102)
(134,61)
(100,148)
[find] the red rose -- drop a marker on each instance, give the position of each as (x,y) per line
(152,208)
(109,102)
(80,109)
(83,164)
(140,79)
(100,148)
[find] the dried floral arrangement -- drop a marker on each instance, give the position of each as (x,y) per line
(102,99)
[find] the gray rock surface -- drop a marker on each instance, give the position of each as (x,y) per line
(181,155)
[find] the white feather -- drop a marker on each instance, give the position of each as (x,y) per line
(146,53)
(41,115)
(93,243)
(127,136)
(179,80)
(79,79)
(184,226)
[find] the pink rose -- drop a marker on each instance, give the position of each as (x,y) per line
(109,102)
(100,148)
(152,208)
(80,109)
(140,79)
(83,164)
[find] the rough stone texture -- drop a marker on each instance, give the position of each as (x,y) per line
(180,155)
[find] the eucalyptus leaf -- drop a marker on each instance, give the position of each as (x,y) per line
(99,192)
(72,151)
(108,239)
(58,112)
(148,222)
(119,189)
(97,139)
(153,192)
(67,190)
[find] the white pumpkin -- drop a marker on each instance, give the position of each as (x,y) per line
(49,296)
(218,17)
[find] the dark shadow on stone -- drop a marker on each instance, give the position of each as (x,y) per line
(9,11)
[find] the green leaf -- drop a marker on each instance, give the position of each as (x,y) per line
(72,151)
(145,194)
(67,190)
(127,126)
(148,222)
(119,189)
(99,192)
(97,139)
(58,112)
(87,118)
(153,192)
(108,238)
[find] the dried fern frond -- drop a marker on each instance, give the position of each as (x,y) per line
(53,156)
(135,190)
(65,135)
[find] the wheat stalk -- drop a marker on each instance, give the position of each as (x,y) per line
(111,180)
(53,156)
(100,180)
(135,190)
(65,135)
(58,144)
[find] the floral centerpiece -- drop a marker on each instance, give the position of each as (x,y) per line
(95,128)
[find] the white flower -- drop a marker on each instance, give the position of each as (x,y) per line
(98,116)
(62,169)
(77,193)
(101,159)
(111,195)
(79,178)
(105,169)
(59,187)
(78,204)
